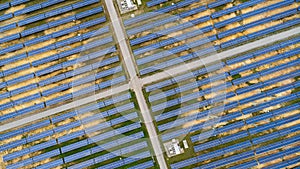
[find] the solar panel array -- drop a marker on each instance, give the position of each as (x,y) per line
(57,51)
(107,133)
(165,36)
(53,51)
(257,123)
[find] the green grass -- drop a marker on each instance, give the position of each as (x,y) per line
(296,90)
(220,8)
(242,1)
(293,102)
(236,76)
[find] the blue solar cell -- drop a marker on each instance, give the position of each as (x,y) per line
(106,62)
(184,163)
(51,164)
(92,22)
(252,98)
(70,136)
(36,126)
(41,50)
(228,21)
(15,154)
(140,18)
(16,69)
(274,28)
(49,70)
(177,122)
(18,2)
(42,146)
(156,2)
(177,133)
(59,99)
(55,89)
(231,31)
(65,31)
(96,32)
(46,155)
(123,118)
(238,146)
(30,109)
(105,157)
(13,144)
(236,41)
(256,108)
(177,112)
(279,89)
(20,79)
(166,9)
(89,12)
(134,147)
(7,105)
(5,16)
(86,90)
(265,138)
(28,9)
(218,3)
(4,95)
(289,42)
(147,164)
(245,78)
(74,146)
(68,41)
(230,127)
(83,164)
(39,136)
(58,11)
(112,82)
(4,5)
(84,3)
(224,12)
(60,22)
(3,84)
(234,137)
(245,165)
(20,164)
(211,155)
(52,79)
(10,38)
(37,40)
(207,145)
(88,108)
(115,164)
(27,99)
(280,4)
(63,117)
(67,126)
(8,27)
(45,60)
(50,3)
(11,134)
(12,59)
(31,19)
(284,14)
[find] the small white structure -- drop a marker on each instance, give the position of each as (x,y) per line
(173,148)
(139,2)
(129,4)
(126,6)
(185,144)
